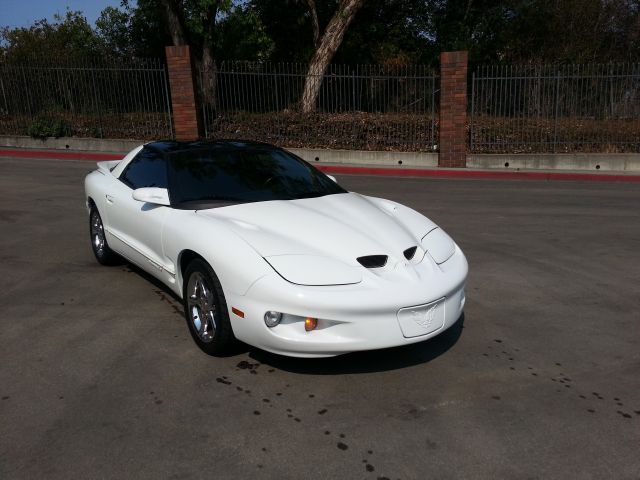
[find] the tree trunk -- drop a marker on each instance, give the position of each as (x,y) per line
(208,69)
(331,40)
(175,22)
(208,76)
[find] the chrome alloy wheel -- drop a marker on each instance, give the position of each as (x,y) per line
(97,233)
(202,306)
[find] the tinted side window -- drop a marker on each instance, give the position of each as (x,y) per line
(147,169)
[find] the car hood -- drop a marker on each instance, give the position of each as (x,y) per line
(342,227)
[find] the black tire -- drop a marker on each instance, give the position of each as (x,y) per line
(206,302)
(99,245)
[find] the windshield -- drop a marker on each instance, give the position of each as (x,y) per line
(240,176)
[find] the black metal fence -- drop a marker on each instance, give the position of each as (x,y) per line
(88,98)
(512,109)
(358,107)
(551,108)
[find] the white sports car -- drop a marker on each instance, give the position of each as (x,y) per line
(264,248)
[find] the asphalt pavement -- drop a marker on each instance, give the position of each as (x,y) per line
(99,377)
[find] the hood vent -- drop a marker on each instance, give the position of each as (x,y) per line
(410,252)
(373,261)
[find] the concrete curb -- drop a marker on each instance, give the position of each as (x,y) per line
(59,155)
(588,162)
(365,157)
(619,162)
(368,170)
(70,143)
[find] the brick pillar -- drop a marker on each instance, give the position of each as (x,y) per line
(186,121)
(453,109)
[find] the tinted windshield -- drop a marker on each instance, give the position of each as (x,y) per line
(238,176)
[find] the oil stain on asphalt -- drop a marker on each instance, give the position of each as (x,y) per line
(252,368)
(561,378)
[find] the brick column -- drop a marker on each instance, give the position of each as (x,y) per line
(453,109)
(186,121)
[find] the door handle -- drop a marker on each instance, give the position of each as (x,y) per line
(109,198)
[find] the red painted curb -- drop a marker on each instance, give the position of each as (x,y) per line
(379,171)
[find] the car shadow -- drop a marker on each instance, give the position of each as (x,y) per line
(128,266)
(366,362)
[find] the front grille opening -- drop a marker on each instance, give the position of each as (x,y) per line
(410,252)
(373,261)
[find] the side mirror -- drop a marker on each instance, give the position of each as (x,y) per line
(155,195)
(332,178)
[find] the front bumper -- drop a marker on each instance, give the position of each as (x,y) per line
(351,318)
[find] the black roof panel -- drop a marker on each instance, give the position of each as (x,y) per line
(170,146)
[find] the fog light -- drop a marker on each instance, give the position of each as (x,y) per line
(271,318)
(310,323)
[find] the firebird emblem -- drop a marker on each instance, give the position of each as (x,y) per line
(424,318)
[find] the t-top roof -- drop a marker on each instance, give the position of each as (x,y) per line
(172,146)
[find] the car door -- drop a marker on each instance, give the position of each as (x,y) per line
(137,226)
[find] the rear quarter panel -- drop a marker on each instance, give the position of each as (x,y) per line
(95,187)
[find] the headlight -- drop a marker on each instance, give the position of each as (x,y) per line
(439,245)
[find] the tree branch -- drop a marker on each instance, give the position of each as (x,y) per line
(326,49)
(314,22)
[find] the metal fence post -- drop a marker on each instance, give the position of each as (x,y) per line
(24,80)
(4,95)
(473,100)
(555,113)
(201,101)
(95,102)
(353,89)
(433,112)
(165,78)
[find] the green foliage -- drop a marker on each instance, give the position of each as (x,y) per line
(384,31)
(134,31)
(524,31)
(196,18)
(48,126)
(573,31)
(114,27)
(288,25)
(243,36)
(69,36)
(387,32)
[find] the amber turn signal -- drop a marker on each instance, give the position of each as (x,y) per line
(310,323)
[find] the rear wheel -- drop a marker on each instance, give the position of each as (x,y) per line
(205,309)
(99,245)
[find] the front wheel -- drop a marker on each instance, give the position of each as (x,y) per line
(99,245)
(205,309)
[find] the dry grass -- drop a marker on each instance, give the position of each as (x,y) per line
(136,125)
(361,131)
(355,130)
(570,135)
